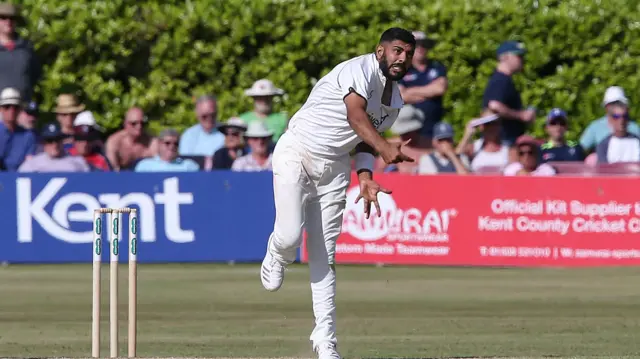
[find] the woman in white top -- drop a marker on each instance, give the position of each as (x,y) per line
(488,151)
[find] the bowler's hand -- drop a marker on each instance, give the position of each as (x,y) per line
(369,192)
(392,153)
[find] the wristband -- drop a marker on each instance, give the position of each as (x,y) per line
(364,161)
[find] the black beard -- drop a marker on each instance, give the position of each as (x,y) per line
(384,67)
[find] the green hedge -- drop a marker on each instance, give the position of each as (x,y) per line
(161,54)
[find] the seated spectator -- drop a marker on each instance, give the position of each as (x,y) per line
(620,146)
(203,139)
(85,145)
(85,118)
(29,116)
(557,148)
(67,108)
(54,158)
(167,159)
(408,127)
(131,144)
(259,159)
(489,151)
(16,142)
(528,160)
(234,145)
(263,91)
(601,128)
(444,158)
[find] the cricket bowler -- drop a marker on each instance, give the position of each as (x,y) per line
(347,109)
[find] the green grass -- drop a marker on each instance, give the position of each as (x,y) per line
(222,311)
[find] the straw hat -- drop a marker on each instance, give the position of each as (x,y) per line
(9,10)
(68,103)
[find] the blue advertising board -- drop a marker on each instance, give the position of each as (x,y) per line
(218,216)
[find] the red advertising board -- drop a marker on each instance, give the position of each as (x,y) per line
(494,221)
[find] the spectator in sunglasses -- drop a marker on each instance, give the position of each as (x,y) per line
(529,162)
(599,129)
(131,144)
(621,145)
(167,159)
(234,145)
(557,148)
(258,137)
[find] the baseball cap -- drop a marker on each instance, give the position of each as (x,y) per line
(32,108)
(556,113)
(614,94)
(514,47)
(442,130)
(423,40)
(51,131)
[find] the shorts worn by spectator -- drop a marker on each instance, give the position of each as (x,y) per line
(131,144)
(263,92)
(203,139)
(501,95)
(85,144)
(167,159)
(601,128)
(528,160)
(259,138)
(20,67)
(424,86)
(54,158)
(16,142)
(557,148)
(407,126)
(234,146)
(444,158)
(620,146)
(488,151)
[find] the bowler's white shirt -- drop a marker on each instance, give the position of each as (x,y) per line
(321,124)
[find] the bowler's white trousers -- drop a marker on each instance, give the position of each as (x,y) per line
(310,193)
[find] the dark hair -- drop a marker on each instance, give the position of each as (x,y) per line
(397,33)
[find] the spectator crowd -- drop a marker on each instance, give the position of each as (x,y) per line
(495,142)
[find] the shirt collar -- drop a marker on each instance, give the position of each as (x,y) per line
(396,98)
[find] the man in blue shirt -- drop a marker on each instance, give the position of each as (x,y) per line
(203,139)
(16,142)
(424,86)
(501,95)
(167,159)
(557,148)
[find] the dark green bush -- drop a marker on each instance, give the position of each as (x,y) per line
(162,54)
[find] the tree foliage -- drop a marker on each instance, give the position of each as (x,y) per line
(161,54)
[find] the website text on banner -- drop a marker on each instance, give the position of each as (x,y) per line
(495,221)
(217,216)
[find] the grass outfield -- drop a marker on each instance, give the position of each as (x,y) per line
(209,310)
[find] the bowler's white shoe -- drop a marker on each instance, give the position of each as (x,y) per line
(326,350)
(271,273)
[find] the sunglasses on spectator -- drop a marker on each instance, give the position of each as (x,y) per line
(170,143)
(234,133)
(135,123)
(617,116)
(558,121)
(525,152)
(5,17)
(5,107)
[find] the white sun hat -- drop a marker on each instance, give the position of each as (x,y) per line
(10,96)
(263,87)
(258,129)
